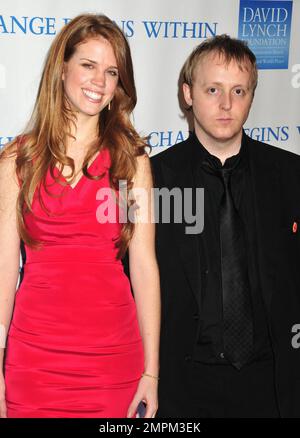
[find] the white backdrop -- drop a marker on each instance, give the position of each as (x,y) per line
(161,34)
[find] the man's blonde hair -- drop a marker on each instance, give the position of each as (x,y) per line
(226,47)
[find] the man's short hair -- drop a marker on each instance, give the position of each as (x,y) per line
(231,49)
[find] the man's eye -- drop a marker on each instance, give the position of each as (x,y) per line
(212,90)
(239,92)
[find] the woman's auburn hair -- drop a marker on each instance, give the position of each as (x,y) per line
(42,145)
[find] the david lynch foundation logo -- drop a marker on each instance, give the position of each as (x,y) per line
(266,26)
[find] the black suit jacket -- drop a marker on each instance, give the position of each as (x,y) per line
(276,193)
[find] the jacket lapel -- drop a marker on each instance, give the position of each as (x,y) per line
(188,244)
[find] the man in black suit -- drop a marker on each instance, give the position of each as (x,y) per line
(230,294)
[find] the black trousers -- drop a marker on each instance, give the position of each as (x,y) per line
(221,391)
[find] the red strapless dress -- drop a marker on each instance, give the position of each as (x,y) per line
(74,348)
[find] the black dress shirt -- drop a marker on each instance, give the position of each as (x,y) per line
(210,337)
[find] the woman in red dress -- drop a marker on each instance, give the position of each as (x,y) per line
(77,342)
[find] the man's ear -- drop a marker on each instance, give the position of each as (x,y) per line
(187,93)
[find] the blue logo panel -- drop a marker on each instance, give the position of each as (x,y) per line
(266,26)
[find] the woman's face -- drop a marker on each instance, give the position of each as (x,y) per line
(90,77)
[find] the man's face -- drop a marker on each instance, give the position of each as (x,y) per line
(221,97)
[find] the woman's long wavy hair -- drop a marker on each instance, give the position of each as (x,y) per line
(43,143)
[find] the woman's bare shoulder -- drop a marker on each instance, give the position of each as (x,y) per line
(8,155)
(9,150)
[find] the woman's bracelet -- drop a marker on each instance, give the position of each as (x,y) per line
(150,375)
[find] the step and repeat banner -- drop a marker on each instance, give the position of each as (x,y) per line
(161,34)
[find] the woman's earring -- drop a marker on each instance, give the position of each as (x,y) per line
(109,106)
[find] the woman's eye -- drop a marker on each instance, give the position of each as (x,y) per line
(88,66)
(113,72)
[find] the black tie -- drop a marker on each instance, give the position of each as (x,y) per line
(237,308)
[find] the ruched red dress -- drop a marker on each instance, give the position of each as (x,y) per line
(74,347)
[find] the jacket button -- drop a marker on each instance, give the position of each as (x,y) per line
(222,356)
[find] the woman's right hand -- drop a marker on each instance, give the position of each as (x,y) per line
(3,411)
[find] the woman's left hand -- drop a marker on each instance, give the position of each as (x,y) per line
(147,393)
